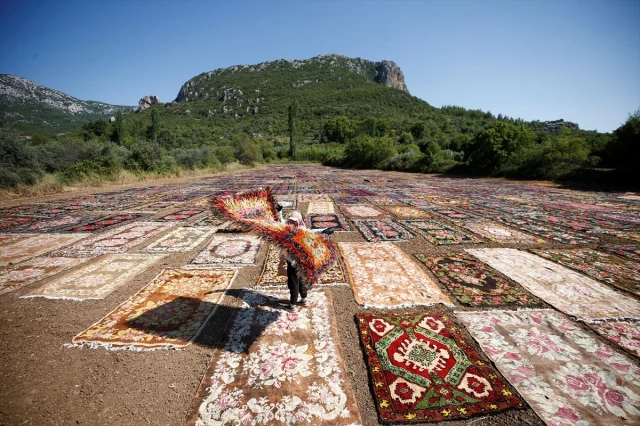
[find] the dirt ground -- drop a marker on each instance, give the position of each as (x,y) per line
(44,383)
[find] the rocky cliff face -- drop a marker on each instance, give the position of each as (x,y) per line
(147,102)
(390,74)
(557,125)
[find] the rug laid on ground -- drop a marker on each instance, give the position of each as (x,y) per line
(384,276)
(306,198)
(277,368)
(382,200)
(97,279)
(167,313)
(6,239)
(617,271)
(181,239)
(385,229)
(105,222)
(631,252)
(274,272)
(474,283)
(565,374)
(408,212)
(623,333)
(36,269)
(362,211)
(180,215)
(501,234)
(320,207)
(335,221)
(572,293)
(116,240)
(228,251)
(35,245)
(349,200)
(439,234)
(422,368)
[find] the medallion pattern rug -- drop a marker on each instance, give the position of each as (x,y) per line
(422,368)
(617,271)
(228,251)
(474,283)
(439,234)
(274,272)
(167,313)
(277,368)
(622,333)
(384,276)
(565,374)
(35,245)
(36,269)
(385,229)
(335,221)
(181,239)
(567,290)
(501,234)
(97,279)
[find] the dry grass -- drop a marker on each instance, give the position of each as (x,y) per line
(47,185)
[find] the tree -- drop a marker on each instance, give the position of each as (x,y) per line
(491,146)
(118,129)
(405,138)
(154,128)
(419,130)
(248,153)
(293,115)
(625,147)
(225,154)
(338,129)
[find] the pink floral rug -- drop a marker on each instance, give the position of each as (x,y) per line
(228,251)
(565,374)
(33,270)
(35,245)
(182,239)
(622,333)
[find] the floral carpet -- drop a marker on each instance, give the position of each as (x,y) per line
(408,212)
(474,283)
(35,245)
(274,272)
(422,368)
(385,229)
(277,368)
(362,211)
(383,276)
(167,313)
(98,279)
(567,290)
(501,234)
(228,251)
(439,234)
(622,333)
(631,252)
(33,270)
(565,374)
(182,239)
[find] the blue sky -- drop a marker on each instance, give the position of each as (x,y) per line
(534,59)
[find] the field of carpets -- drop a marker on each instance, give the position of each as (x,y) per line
(453,301)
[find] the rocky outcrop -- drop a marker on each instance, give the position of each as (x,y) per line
(147,102)
(390,74)
(557,125)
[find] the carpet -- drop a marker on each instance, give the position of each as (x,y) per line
(182,239)
(35,245)
(567,290)
(6,239)
(97,279)
(36,269)
(439,234)
(180,215)
(286,201)
(277,368)
(320,207)
(631,252)
(349,200)
(274,272)
(362,211)
(212,221)
(15,223)
(422,368)
(104,223)
(622,333)
(383,201)
(501,234)
(385,229)
(408,212)
(305,198)
(228,251)
(474,283)
(616,271)
(565,374)
(335,221)
(355,192)
(167,313)
(384,276)
(116,240)
(54,224)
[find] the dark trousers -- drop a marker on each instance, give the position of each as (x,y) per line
(295,284)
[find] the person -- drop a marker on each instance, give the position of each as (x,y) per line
(297,286)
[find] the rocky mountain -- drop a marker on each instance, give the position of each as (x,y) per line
(31,106)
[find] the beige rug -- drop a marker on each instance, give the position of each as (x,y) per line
(501,234)
(320,207)
(383,276)
(98,279)
(182,239)
(228,251)
(567,290)
(36,245)
(36,269)
(277,368)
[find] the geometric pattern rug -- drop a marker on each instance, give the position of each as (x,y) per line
(383,276)
(474,283)
(616,271)
(501,234)
(35,245)
(277,368)
(98,279)
(274,272)
(335,221)
(182,239)
(36,269)
(422,368)
(385,229)
(565,374)
(228,251)
(438,233)
(167,313)
(568,291)
(622,333)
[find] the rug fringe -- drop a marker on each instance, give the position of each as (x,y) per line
(111,347)
(505,310)
(75,299)
(608,319)
(404,305)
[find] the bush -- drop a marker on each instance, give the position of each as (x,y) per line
(367,152)
(18,161)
